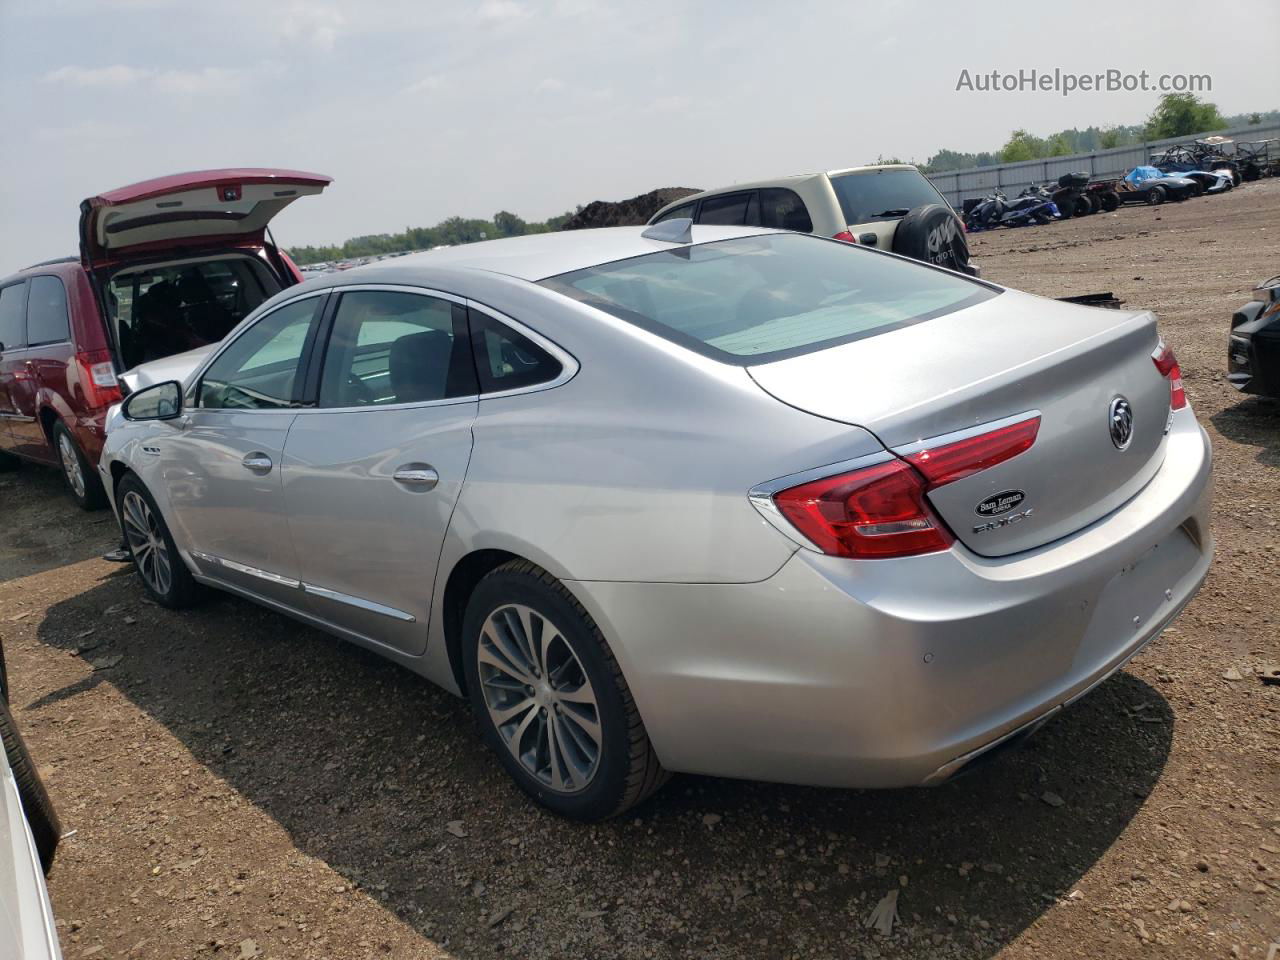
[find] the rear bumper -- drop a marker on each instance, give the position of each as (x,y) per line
(900,672)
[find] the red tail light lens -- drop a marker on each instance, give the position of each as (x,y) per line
(879,511)
(962,458)
(882,511)
(846,236)
(1167,364)
(98,378)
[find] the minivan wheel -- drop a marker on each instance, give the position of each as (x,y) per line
(151,546)
(550,698)
(81,479)
(41,817)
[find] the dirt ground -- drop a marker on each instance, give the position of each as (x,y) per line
(237,785)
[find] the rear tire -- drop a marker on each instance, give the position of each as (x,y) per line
(1067,207)
(1110,202)
(8,462)
(36,805)
(77,473)
(534,659)
(161,568)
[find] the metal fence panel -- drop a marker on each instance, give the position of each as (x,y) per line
(960,185)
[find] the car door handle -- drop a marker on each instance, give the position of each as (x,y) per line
(256,461)
(422,477)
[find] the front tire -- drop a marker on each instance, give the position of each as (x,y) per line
(41,817)
(77,473)
(550,697)
(161,568)
(1155,196)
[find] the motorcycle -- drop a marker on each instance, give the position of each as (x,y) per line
(1034,205)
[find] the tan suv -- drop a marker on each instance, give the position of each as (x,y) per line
(892,207)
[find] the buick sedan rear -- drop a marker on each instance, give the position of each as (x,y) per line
(704,499)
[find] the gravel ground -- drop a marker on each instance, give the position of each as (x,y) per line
(241,786)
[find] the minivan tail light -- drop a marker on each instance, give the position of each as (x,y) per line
(1167,364)
(98,378)
(878,511)
(846,236)
(963,458)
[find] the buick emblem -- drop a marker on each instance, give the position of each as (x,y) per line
(1120,422)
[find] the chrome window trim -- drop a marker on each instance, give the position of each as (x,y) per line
(569,365)
(359,602)
(931,443)
(761,495)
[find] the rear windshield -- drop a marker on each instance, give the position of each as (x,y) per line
(882,195)
(752,300)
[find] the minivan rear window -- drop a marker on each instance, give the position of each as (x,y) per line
(753,300)
(882,195)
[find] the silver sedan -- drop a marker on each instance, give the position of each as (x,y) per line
(707,499)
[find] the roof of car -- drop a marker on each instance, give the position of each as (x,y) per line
(540,255)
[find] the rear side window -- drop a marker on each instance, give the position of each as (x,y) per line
(13,313)
(756,299)
(731,210)
(47,312)
(389,347)
(507,360)
(259,370)
(783,209)
(882,195)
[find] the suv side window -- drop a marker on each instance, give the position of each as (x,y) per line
(731,210)
(259,370)
(47,312)
(391,347)
(507,360)
(783,209)
(13,316)
(685,211)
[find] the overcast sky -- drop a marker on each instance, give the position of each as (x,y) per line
(421,110)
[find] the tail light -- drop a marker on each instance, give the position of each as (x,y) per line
(846,236)
(1167,364)
(98,378)
(881,510)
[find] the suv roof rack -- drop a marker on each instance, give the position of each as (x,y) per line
(49,263)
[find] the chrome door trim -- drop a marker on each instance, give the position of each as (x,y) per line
(248,570)
(569,365)
(359,602)
(239,331)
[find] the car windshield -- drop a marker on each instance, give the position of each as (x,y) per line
(756,299)
(882,194)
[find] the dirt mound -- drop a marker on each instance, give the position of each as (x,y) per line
(625,213)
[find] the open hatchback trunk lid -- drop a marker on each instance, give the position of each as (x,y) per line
(1005,361)
(187,210)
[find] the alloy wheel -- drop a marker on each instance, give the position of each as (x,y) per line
(71,464)
(146,540)
(539,698)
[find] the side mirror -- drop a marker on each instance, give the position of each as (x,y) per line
(162,401)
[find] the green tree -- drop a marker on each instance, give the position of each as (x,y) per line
(1021,146)
(507,224)
(1180,114)
(1255,119)
(1058,146)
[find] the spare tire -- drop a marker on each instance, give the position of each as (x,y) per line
(41,817)
(934,234)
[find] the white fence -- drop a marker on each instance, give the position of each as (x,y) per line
(959,185)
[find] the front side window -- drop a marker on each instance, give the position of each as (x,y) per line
(507,360)
(13,314)
(259,370)
(756,299)
(47,312)
(887,194)
(392,347)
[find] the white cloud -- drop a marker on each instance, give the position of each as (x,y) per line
(117,75)
(501,10)
(205,80)
(550,85)
(316,25)
(430,84)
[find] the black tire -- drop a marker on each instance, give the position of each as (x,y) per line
(1095,204)
(88,493)
(8,462)
(41,817)
(627,770)
(1067,207)
(1110,202)
(1155,196)
(182,590)
(933,233)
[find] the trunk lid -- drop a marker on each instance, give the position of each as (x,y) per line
(1012,355)
(185,210)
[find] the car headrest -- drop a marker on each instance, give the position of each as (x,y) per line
(418,364)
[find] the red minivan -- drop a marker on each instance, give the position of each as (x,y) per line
(165,265)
